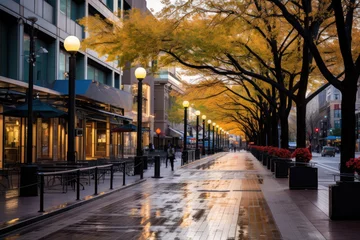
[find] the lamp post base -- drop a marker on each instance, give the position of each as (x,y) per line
(140,163)
(197,154)
(184,157)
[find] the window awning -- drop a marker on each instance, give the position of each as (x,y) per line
(98,92)
(176,133)
(103,112)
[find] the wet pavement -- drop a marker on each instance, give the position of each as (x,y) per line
(209,199)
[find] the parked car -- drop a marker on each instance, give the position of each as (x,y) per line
(328,151)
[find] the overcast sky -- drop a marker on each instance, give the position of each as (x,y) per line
(155,4)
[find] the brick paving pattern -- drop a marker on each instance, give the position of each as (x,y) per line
(216,199)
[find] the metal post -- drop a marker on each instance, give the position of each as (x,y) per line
(142,168)
(209,133)
(197,150)
(78,185)
(158,147)
(185,128)
(41,193)
(71,108)
(124,169)
(157,167)
(213,143)
(96,181)
(184,154)
(111,176)
(203,138)
(220,142)
(32,60)
(139,120)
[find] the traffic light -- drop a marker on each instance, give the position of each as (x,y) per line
(316,130)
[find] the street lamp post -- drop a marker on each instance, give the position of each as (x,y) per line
(213,143)
(184,153)
(209,132)
(217,138)
(140,74)
(158,131)
(197,150)
(28,172)
(203,136)
(32,60)
(72,45)
(220,139)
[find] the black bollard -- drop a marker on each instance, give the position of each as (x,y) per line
(157,167)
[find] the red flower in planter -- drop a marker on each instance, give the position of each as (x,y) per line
(354,163)
(272,151)
(283,153)
(302,155)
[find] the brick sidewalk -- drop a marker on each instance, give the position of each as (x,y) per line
(230,197)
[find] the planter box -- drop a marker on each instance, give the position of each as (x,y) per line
(269,159)
(281,168)
(344,201)
(264,159)
(272,162)
(303,177)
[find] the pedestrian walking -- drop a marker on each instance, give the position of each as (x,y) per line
(167,155)
(171,156)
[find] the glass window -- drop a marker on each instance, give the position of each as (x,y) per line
(45,137)
(96,74)
(65,7)
(100,138)
(12,140)
(63,65)
(337,124)
(337,113)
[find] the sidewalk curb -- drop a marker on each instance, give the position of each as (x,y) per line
(43,216)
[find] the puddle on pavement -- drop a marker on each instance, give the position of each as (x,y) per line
(255,219)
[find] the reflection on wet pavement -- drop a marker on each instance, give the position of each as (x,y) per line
(224,203)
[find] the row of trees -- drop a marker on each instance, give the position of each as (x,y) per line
(256,57)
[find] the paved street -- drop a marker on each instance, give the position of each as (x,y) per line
(218,199)
(327,167)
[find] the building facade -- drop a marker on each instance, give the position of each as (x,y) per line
(104,92)
(166,81)
(324,118)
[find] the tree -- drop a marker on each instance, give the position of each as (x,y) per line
(245,41)
(346,15)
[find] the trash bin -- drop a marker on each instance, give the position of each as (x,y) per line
(28,181)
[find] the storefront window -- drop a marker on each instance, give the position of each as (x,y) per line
(100,139)
(12,140)
(45,129)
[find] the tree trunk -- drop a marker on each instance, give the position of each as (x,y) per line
(274,129)
(284,125)
(347,148)
(301,125)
